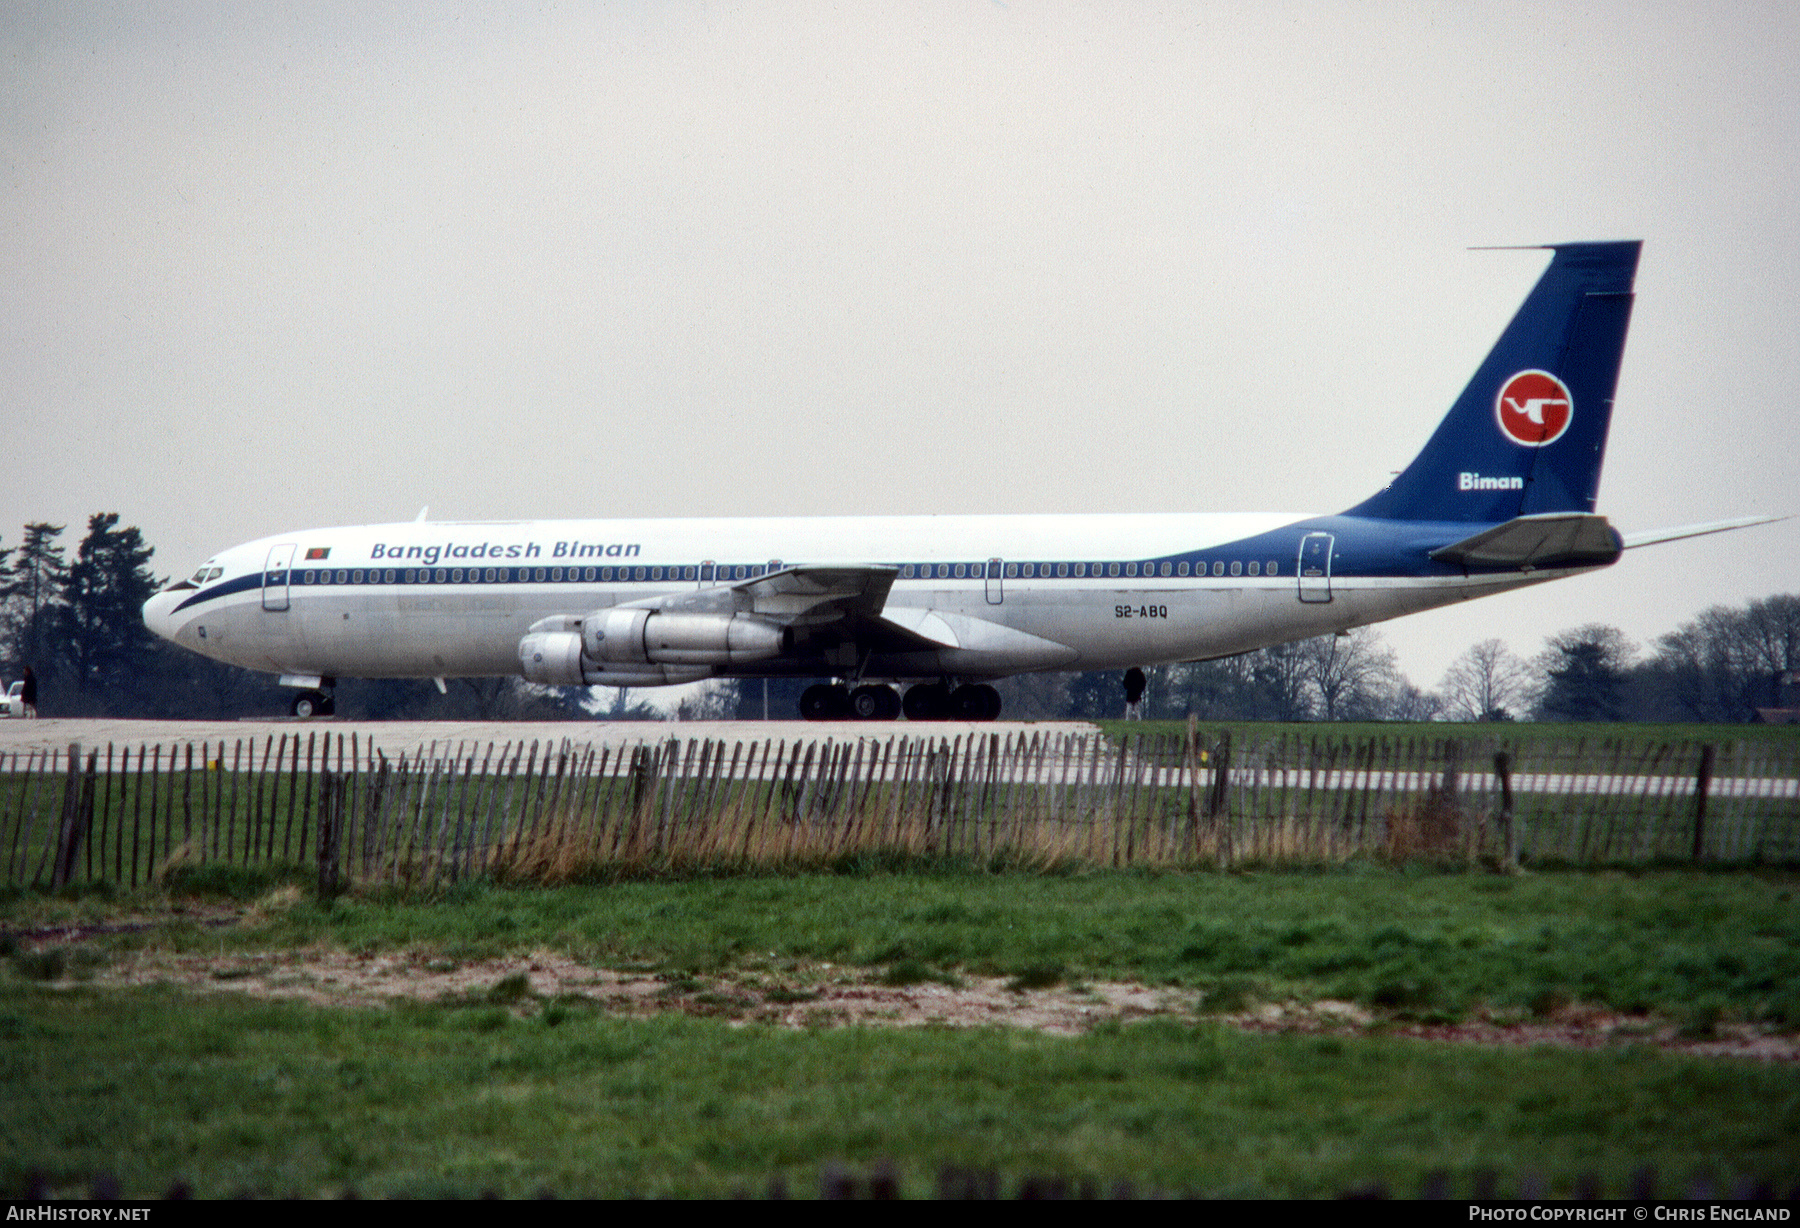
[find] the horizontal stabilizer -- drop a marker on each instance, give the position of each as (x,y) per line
(1548,539)
(1651,537)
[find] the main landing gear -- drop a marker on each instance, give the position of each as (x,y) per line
(928,701)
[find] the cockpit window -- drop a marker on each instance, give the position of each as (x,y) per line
(207,573)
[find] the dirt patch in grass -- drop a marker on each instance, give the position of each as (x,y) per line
(824,995)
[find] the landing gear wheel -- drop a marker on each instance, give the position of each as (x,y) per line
(874,703)
(975,703)
(928,701)
(308,704)
(824,703)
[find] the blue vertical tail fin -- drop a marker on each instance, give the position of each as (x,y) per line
(1528,434)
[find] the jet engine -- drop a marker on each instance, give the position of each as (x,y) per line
(634,647)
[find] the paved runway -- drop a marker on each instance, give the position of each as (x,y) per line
(413,737)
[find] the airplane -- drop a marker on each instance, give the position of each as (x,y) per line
(1501,496)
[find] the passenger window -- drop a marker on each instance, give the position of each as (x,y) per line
(691,573)
(641,573)
(1182,569)
(1012,569)
(588,575)
(1218,569)
(1271,568)
(1255,567)
(456,575)
(440,575)
(1237,569)
(1062,569)
(1165,569)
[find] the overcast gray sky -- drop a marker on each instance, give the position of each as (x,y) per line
(270,267)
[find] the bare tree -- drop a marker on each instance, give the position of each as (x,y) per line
(1351,674)
(1279,684)
(1486,683)
(1409,703)
(1726,663)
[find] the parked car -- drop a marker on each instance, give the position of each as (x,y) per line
(14,704)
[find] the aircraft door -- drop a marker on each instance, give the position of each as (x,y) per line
(996,593)
(1315,567)
(275,576)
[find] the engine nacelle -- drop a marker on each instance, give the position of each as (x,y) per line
(675,637)
(644,647)
(555,658)
(552,658)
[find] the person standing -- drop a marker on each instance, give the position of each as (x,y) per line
(28,694)
(1135,684)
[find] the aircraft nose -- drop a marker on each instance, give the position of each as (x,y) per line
(159,614)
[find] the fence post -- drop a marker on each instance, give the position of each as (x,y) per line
(1216,818)
(330,806)
(68,832)
(1509,852)
(1701,784)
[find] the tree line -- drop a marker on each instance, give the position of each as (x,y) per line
(76,621)
(1727,665)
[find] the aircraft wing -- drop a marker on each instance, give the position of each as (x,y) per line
(1651,537)
(1547,539)
(849,604)
(793,596)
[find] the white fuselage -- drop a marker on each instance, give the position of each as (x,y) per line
(433,599)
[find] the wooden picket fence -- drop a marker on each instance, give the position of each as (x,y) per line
(544,811)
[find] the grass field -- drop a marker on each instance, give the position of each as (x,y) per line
(274,1098)
(514,1094)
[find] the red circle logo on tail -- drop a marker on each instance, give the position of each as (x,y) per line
(1534,408)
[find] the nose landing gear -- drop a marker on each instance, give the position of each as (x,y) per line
(315,700)
(308,704)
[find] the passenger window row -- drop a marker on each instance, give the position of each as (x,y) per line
(730,573)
